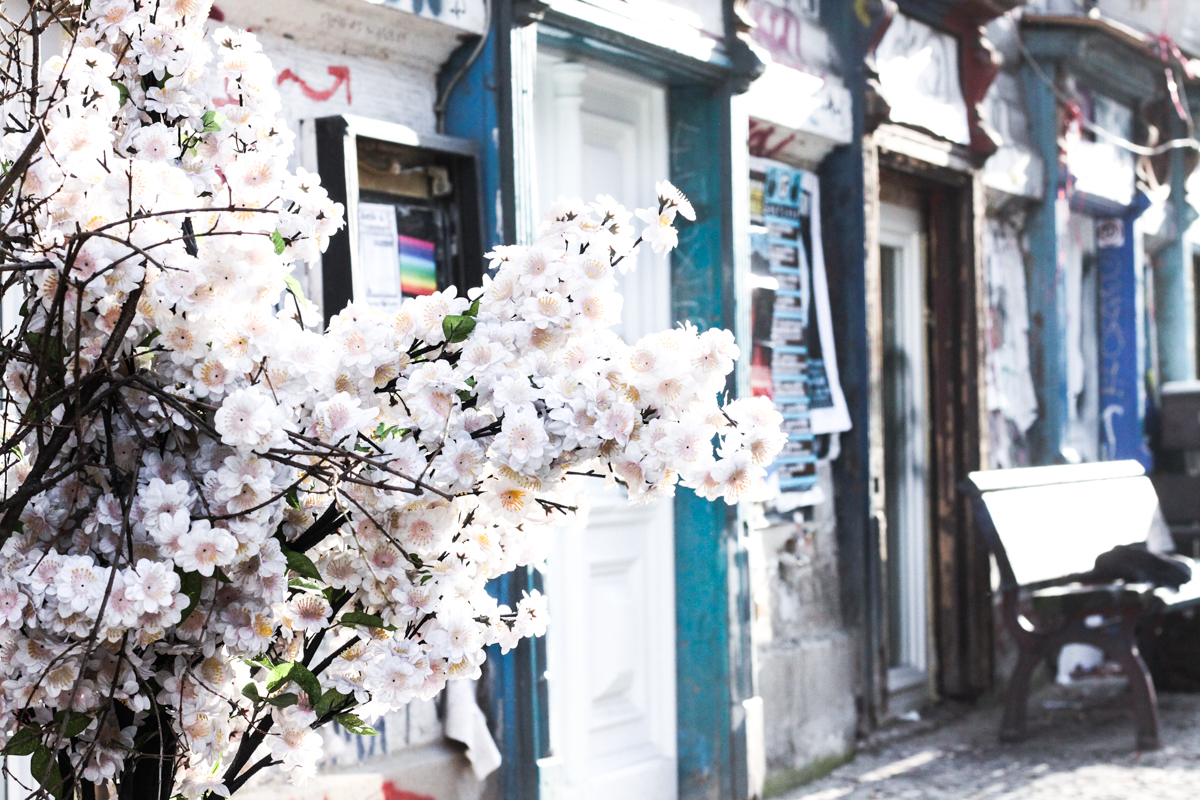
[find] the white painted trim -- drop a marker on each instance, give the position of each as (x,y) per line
(901,228)
(579,105)
(655,23)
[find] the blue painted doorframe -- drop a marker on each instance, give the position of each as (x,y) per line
(711,679)
(711,608)
(480,108)
(1047,301)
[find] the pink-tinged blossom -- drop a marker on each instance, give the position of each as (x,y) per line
(205,548)
(256,486)
(13,603)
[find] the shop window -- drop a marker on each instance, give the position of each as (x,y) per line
(414,222)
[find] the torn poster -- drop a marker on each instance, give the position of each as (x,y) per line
(787,258)
(379,255)
(1009,377)
(779,360)
(1011,399)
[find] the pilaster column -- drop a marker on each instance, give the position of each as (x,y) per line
(568,128)
(1173,307)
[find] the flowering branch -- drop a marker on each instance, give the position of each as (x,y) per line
(221,529)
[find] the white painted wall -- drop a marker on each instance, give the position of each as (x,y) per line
(385,59)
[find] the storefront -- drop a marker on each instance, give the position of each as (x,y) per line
(364,89)
(1107,240)
(925,590)
(796,113)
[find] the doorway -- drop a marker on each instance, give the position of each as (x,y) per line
(936,614)
(611,587)
(902,254)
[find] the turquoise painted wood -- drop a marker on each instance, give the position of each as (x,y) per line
(702,293)
(514,685)
(1047,297)
(1174,310)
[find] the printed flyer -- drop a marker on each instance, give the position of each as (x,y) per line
(793,358)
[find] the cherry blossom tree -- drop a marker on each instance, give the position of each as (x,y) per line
(222,528)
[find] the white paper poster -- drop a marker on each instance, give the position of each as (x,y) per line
(918,77)
(802,328)
(379,254)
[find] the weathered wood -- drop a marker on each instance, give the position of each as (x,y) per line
(874,188)
(961,599)
(702,284)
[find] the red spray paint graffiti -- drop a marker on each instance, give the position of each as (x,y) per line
(341,75)
(390,792)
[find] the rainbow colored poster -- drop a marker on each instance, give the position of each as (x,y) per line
(418,267)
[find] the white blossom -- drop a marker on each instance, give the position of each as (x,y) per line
(247,493)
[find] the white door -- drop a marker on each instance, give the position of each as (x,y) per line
(902,272)
(611,586)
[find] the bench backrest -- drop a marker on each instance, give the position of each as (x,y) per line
(1045,523)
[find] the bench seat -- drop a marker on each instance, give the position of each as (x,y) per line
(1045,526)
(1081,598)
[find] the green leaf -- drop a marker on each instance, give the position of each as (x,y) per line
(362,618)
(296,673)
(302,564)
(457,327)
(352,723)
(473,311)
(44,768)
(52,346)
(290,281)
(190,583)
(329,701)
(76,725)
(303,583)
(212,121)
(293,499)
(124,91)
(383,431)
(263,661)
(280,245)
(24,741)
(250,692)
(284,700)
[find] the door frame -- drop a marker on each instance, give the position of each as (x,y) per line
(903,227)
(961,608)
(714,674)
(578,103)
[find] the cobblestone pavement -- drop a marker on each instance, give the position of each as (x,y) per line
(1080,747)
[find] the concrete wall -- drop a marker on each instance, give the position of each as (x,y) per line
(806,661)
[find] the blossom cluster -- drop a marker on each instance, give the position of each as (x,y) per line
(222,528)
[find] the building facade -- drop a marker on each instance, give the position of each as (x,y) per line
(946,240)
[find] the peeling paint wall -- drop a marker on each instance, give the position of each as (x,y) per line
(806,659)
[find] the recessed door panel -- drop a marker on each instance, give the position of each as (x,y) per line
(611,584)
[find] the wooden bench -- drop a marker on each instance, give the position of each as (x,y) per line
(1045,526)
